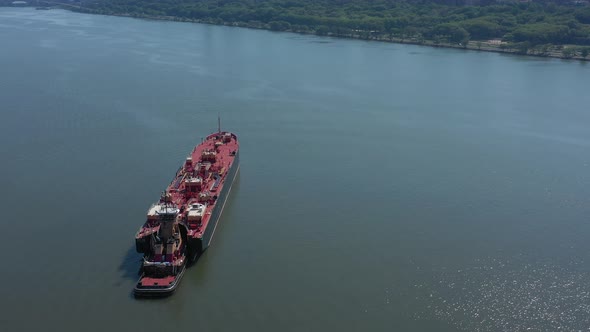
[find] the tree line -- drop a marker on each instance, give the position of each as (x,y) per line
(450,21)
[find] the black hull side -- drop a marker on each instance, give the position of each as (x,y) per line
(220,203)
(194,248)
(142,245)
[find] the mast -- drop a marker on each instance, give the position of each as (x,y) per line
(218,123)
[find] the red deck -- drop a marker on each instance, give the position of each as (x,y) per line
(164,281)
(225,145)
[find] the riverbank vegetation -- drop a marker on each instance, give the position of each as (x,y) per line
(533,27)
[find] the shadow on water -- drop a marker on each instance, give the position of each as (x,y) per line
(130,264)
(130,267)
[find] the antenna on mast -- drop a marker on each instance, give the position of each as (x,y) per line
(218,123)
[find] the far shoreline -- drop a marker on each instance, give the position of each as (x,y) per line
(473,45)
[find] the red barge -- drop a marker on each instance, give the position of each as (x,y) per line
(181,225)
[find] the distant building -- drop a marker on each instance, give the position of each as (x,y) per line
(496,42)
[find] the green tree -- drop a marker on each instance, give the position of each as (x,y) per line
(523,48)
(583,15)
(279,25)
(482,29)
(322,30)
(568,52)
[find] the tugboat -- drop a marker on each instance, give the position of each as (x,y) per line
(164,250)
(181,225)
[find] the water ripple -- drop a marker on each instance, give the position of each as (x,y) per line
(513,295)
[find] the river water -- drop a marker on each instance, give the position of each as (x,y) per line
(382,187)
